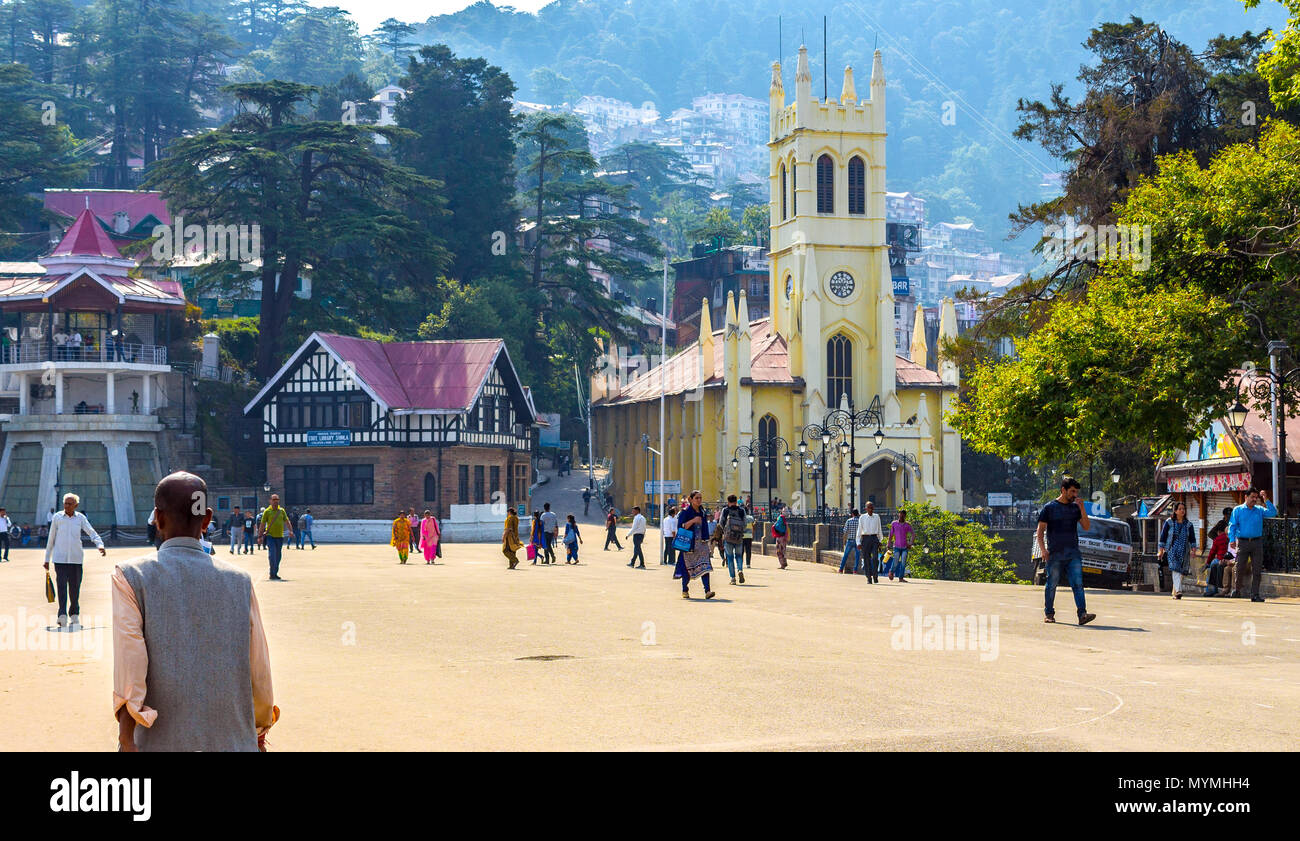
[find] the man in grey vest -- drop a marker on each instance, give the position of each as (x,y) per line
(191,670)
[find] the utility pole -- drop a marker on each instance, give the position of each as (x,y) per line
(591,453)
(663,358)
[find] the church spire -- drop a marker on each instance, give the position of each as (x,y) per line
(850,94)
(803,78)
(947,331)
(706,342)
(920,351)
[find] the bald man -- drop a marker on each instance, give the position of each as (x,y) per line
(191,669)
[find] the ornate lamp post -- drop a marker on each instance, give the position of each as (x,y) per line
(770,449)
(850,422)
(905,459)
(747,451)
(824,434)
(1268,384)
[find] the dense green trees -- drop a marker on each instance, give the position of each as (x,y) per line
(458,110)
(324,201)
(35,151)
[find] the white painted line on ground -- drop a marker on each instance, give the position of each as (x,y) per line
(1265,706)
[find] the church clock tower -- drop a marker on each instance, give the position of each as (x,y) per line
(832,295)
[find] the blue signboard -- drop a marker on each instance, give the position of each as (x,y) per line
(902,287)
(329,438)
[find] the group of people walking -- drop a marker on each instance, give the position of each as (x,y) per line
(866,542)
(542,538)
(424,533)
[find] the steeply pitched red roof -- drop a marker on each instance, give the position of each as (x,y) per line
(435,376)
(444,375)
(86,238)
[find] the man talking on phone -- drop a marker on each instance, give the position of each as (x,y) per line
(1057,523)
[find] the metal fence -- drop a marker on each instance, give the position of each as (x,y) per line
(802,533)
(1282,544)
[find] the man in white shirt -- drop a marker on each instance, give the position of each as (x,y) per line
(74,345)
(64,548)
(669,528)
(550,528)
(5,525)
(869,534)
(637,533)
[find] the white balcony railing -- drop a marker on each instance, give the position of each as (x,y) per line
(39,351)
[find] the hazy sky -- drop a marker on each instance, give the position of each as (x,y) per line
(369,14)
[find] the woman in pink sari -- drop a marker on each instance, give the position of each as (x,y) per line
(430,534)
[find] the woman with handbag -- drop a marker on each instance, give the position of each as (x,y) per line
(693,542)
(510,542)
(781,534)
(430,535)
(1177,537)
(537,539)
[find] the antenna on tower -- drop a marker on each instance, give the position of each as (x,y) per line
(825,89)
(780,41)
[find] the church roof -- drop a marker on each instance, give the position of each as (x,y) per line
(769,365)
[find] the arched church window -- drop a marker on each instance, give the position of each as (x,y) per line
(825,184)
(767,430)
(839,370)
(430,488)
(857,185)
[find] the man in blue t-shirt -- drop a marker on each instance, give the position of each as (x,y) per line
(1057,522)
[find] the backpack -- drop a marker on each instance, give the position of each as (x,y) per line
(735,527)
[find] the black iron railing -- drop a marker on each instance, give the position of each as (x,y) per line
(1282,544)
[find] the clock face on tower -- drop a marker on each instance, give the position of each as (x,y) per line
(842,284)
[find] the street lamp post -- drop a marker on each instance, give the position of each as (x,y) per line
(771,448)
(826,434)
(1270,384)
(850,422)
(748,452)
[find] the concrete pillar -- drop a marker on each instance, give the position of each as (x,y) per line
(58,393)
(22,394)
(51,459)
(110,404)
(119,474)
(4,467)
(146,393)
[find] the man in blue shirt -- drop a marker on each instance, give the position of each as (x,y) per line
(1246,535)
(304,533)
(1057,522)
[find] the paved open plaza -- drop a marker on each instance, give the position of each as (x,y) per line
(370,655)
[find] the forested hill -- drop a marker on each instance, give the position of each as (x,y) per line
(982,55)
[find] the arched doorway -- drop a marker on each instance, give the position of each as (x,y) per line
(877,485)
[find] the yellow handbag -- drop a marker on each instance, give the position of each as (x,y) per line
(49,589)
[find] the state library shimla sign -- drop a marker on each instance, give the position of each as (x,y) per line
(329,438)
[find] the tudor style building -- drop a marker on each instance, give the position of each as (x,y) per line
(358,429)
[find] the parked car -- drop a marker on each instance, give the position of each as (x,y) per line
(1107,551)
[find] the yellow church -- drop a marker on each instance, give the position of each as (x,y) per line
(757,408)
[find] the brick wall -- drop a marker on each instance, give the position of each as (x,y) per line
(399,476)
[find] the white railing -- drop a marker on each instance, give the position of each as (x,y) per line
(40,351)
